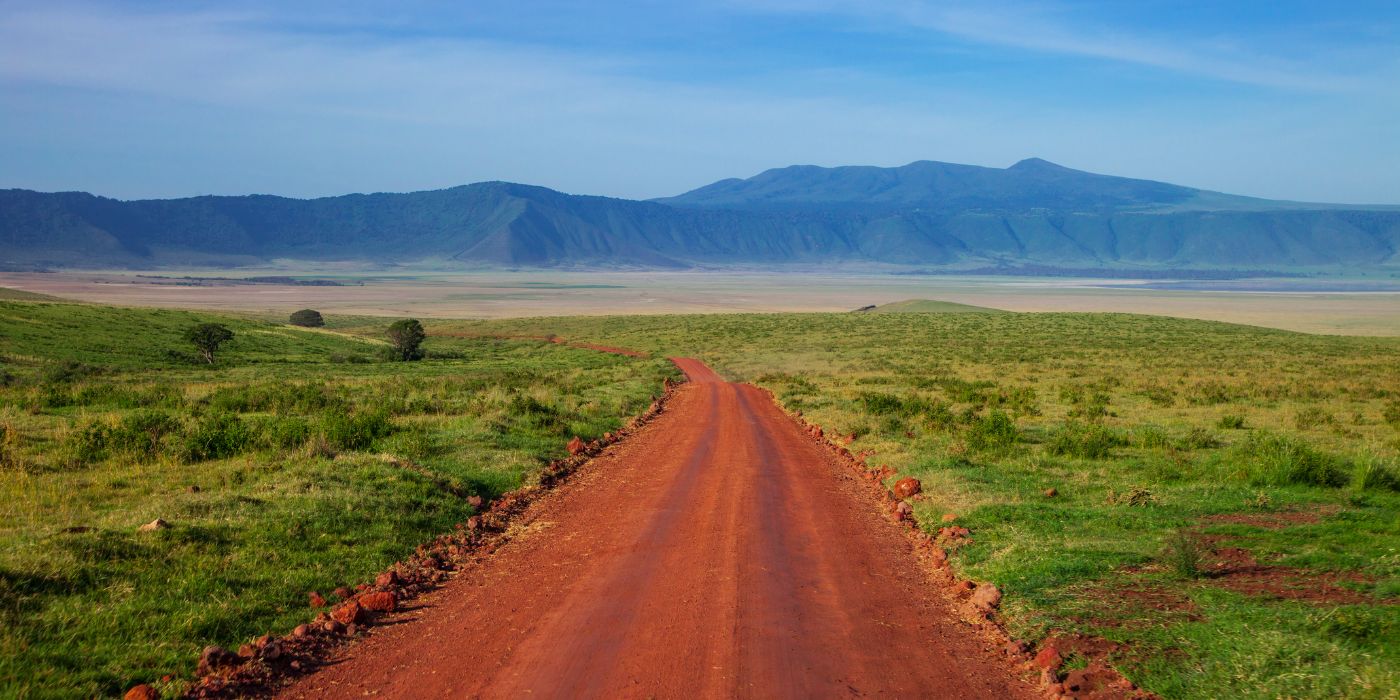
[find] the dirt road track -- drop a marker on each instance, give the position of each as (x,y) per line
(719,552)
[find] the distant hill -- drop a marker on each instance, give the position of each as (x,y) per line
(922,214)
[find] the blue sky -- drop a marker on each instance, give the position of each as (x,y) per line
(1284,99)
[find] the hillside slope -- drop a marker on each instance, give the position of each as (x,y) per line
(924,213)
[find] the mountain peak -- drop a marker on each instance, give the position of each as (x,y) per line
(1036,164)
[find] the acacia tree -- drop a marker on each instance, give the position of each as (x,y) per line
(207,337)
(308,318)
(406,336)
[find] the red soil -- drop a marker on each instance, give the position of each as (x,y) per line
(717,552)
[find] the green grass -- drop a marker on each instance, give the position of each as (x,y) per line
(11,294)
(291,439)
(1146,427)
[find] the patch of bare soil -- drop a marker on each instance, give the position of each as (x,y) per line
(1236,569)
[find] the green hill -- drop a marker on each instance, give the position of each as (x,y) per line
(930,306)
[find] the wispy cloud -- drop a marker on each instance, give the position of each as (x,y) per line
(1049,28)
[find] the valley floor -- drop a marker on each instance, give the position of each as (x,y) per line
(1308,305)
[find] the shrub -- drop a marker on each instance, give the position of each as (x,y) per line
(87,443)
(1357,623)
(1312,417)
(67,371)
(1230,422)
(1083,440)
(280,432)
(354,432)
(307,318)
(1182,554)
(217,435)
(1197,438)
(1151,437)
(1391,413)
(994,431)
(1284,460)
(1137,497)
(1373,473)
(142,433)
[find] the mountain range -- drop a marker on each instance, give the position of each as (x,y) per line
(926,214)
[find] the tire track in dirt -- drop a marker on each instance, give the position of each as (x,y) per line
(717,552)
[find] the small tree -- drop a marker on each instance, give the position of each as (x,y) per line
(307,318)
(406,336)
(207,337)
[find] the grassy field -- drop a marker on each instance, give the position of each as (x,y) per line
(1226,503)
(280,470)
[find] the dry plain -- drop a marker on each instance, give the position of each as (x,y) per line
(1344,307)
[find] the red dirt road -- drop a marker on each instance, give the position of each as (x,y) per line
(718,552)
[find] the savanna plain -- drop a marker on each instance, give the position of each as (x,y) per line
(1216,506)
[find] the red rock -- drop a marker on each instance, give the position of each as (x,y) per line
(332,627)
(949,517)
(906,487)
(1051,492)
(382,601)
(141,692)
(575,445)
(1048,659)
(342,593)
(302,630)
(349,612)
(316,600)
(986,598)
(940,557)
(475,501)
(387,579)
(215,658)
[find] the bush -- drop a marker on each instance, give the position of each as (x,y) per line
(1230,422)
(1197,438)
(142,433)
(354,432)
(284,433)
(1373,473)
(994,431)
(307,318)
(1312,417)
(1086,441)
(217,435)
(1183,553)
(87,443)
(67,371)
(1283,460)
(1391,413)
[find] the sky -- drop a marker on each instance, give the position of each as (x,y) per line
(634,98)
